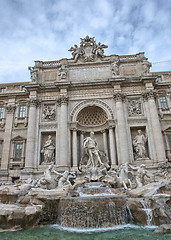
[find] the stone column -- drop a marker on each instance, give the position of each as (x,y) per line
(149,96)
(63,131)
(74,148)
(81,144)
(168,155)
(10,109)
(105,142)
(122,144)
(112,146)
(31,134)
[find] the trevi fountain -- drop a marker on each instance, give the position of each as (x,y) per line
(85,149)
(95,199)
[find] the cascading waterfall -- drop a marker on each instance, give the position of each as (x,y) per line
(147,208)
(90,212)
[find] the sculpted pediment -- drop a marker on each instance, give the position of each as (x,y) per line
(17,138)
(167,129)
(88,51)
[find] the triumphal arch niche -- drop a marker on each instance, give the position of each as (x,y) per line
(48,120)
(94,116)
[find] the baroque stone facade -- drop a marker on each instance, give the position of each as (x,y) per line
(45,121)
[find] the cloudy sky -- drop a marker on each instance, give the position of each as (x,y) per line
(45,29)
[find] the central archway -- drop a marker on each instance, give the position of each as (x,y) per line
(97,116)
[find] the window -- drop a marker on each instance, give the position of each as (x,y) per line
(159,79)
(169,140)
(2,90)
(18,151)
(22,111)
(23,89)
(1,112)
(163,102)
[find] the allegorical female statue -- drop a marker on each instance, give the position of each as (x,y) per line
(48,151)
(139,143)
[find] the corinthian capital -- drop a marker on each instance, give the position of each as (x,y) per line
(119,96)
(149,94)
(33,101)
(62,100)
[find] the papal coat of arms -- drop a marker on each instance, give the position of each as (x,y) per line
(88,51)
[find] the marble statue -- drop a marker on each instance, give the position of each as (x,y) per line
(34,74)
(122,177)
(90,146)
(140,175)
(94,161)
(64,179)
(115,68)
(47,181)
(48,151)
(139,143)
(63,71)
(92,157)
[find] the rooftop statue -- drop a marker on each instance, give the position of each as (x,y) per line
(89,50)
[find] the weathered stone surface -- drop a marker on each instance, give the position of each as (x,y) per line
(151,189)
(12,215)
(164,228)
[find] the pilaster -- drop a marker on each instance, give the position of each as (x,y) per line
(10,109)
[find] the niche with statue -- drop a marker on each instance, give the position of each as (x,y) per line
(140,143)
(48,148)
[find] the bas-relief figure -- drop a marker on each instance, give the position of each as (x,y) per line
(139,144)
(49,112)
(48,151)
(134,107)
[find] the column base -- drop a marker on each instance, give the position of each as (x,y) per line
(4,175)
(74,168)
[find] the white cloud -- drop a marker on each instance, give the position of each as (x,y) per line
(45,30)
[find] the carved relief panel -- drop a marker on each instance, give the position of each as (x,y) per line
(49,112)
(135,107)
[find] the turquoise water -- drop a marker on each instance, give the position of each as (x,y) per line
(53,232)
